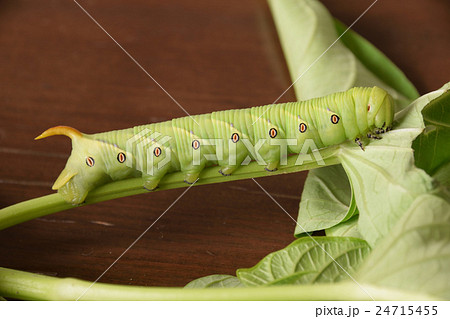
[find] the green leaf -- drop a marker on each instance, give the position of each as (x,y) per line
(432,147)
(375,61)
(442,176)
(348,228)
(307,260)
(215,281)
(326,200)
(416,255)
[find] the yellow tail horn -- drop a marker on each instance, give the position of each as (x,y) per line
(60,130)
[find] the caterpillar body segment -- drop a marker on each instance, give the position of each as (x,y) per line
(227,139)
(231,131)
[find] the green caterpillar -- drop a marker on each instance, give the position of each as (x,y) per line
(228,139)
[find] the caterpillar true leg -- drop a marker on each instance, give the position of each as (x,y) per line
(373,136)
(360,144)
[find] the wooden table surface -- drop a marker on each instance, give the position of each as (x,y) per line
(58,68)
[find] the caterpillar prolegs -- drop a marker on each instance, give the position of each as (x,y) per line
(228,139)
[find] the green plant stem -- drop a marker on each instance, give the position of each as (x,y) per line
(45,205)
(28,286)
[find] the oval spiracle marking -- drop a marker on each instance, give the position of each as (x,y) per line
(157,151)
(121,157)
(302,127)
(195,144)
(90,161)
(334,119)
(273,132)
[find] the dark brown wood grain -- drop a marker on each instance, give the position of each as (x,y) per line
(58,67)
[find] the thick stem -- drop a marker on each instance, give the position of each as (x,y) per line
(28,286)
(34,208)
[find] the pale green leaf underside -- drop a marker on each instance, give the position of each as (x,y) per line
(308,260)
(384,178)
(326,200)
(416,257)
(215,281)
(348,228)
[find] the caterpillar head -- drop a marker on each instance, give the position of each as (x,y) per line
(380,112)
(84,169)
